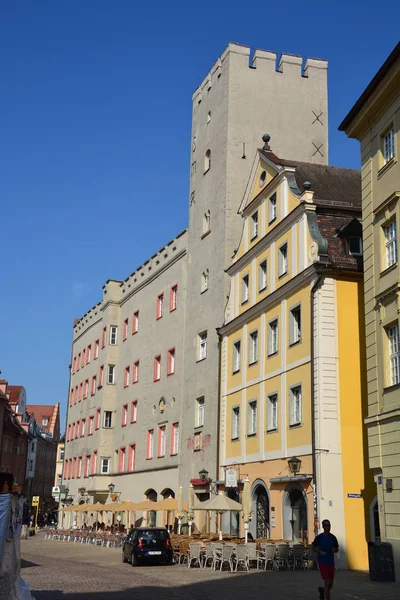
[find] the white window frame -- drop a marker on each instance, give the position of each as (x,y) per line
(110,374)
(245,288)
(200,411)
(263,275)
(253,347)
(96,349)
(160,306)
(272,412)
(45,422)
(125,415)
(157,369)
(113,339)
(175,438)
(273,337)
(283,260)
(202,341)
(150,446)
(236,356)
(295,406)
(235,433)
(162,432)
(359,251)
(105,462)
(272,208)
(252,418)
(105,419)
(390,233)
(254,225)
(388,145)
(294,325)
(393,336)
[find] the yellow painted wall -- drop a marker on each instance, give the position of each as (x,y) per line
(235,379)
(252,445)
(233,448)
(357,478)
(253,371)
(300,435)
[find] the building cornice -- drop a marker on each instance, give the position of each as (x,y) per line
(278,295)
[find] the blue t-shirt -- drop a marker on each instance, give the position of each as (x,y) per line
(326,543)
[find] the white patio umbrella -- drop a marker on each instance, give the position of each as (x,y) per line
(220,504)
(190,507)
(247,508)
(180,513)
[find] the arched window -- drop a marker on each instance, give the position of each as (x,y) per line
(207,161)
(204,280)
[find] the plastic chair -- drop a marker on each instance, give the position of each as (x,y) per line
(242,556)
(253,555)
(194,555)
(282,559)
(269,552)
(208,554)
(298,556)
(227,556)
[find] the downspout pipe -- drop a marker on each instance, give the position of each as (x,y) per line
(314,461)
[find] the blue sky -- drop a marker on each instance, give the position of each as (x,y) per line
(95,136)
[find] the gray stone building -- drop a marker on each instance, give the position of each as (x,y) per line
(149,448)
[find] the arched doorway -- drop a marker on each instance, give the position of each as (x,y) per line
(295,523)
(374,521)
(234,517)
(259,526)
(151,514)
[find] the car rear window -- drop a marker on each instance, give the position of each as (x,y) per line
(147,535)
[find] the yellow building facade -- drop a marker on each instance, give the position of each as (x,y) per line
(293,356)
(374,120)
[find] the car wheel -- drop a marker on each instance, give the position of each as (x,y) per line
(124,559)
(134,562)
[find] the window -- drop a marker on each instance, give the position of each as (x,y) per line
(245,289)
(200,403)
(86,389)
(135,374)
(101,376)
(87,466)
(79,361)
(93,390)
(388,145)
(263,178)
(204,280)
(126,322)
(83,427)
(161,441)
(71,397)
(113,335)
(91,425)
(273,337)
(355,246)
(295,325)
(391,243)
(134,411)
(175,438)
(173,298)
(394,354)
(111,374)
(150,444)
(94,462)
(295,406)
(272,208)
(253,348)
(282,260)
(88,354)
(104,337)
(236,356)
(132,457)
(98,413)
(206,222)
(107,419)
(74,365)
(79,472)
(80,397)
(105,466)
(121,460)
(126,376)
(96,349)
(252,418)
(272,412)
(62,453)
(235,422)
(76,394)
(83,357)
(135,322)
(202,345)
(69,433)
(171,361)
(77,429)
(124,415)
(207,161)
(45,421)
(160,306)
(262,276)
(254,225)
(157,368)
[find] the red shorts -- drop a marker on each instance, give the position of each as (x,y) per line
(327,571)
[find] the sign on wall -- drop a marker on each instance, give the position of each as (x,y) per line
(230,478)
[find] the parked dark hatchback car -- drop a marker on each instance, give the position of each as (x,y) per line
(147,545)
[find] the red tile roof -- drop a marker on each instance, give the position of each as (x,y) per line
(14,391)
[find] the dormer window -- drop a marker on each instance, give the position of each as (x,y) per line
(355,246)
(254,226)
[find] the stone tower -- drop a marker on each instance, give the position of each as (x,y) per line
(237,102)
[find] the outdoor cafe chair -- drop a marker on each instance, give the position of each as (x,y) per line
(183,551)
(242,557)
(253,555)
(216,551)
(194,555)
(298,556)
(268,555)
(226,556)
(208,554)
(282,559)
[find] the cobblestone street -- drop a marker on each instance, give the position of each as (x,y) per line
(65,571)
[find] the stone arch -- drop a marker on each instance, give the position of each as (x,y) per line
(261,507)
(151,494)
(167,493)
(295,513)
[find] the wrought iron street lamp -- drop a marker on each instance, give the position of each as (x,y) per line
(203,474)
(294,465)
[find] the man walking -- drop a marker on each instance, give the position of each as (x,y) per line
(326,545)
